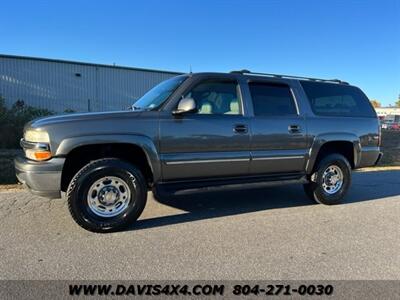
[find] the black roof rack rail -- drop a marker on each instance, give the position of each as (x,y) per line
(288,76)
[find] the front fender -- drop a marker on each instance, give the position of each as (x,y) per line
(144,142)
(322,139)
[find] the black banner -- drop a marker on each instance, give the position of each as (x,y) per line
(32,289)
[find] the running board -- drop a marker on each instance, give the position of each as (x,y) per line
(224,185)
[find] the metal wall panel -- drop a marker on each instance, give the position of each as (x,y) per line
(61,85)
(119,88)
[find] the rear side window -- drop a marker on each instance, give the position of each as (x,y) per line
(272,99)
(330,99)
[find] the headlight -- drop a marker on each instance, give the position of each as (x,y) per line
(37,136)
(36,145)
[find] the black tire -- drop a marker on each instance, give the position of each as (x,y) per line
(315,190)
(77,194)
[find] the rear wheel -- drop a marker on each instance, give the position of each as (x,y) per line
(107,195)
(330,181)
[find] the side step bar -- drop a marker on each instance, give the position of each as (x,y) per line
(224,185)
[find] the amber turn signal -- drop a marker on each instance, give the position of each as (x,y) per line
(37,154)
(42,155)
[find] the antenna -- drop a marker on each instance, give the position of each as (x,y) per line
(190,69)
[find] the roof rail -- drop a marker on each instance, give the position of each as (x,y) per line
(288,76)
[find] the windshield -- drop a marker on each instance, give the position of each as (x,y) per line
(155,97)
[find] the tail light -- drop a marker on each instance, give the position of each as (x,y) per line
(379,134)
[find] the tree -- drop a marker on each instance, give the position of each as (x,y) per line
(12,121)
(375,103)
(397,103)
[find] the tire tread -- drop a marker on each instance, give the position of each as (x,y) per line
(72,186)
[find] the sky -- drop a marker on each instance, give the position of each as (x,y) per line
(356,41)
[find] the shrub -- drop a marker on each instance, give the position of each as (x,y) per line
(12,121)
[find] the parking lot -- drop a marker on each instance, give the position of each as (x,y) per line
(274,233)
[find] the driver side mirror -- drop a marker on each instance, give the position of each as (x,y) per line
(186,105)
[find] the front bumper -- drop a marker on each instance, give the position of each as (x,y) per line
(42,178)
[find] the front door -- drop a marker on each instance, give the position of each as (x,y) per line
(211,142)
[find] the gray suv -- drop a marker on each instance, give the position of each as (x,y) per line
(202,130)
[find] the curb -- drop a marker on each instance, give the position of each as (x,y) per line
(383,168)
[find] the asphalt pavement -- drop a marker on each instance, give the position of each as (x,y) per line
(271,233)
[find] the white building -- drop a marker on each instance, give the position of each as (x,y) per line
(388,113)
(60,85)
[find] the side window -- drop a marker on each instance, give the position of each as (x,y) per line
(216,97)
(272,99)
(332,99)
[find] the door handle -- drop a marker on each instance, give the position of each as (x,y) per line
(294,129)
(240,128)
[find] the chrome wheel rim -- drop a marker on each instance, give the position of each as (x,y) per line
(108,196)
(332,179)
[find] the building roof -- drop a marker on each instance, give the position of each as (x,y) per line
(87,64)
(388,107)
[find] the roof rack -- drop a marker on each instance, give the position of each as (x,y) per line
(289,76)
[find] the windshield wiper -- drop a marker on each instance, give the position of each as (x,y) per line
(137,108)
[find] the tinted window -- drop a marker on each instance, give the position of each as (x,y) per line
(330,99)
(216,97)
(272,99)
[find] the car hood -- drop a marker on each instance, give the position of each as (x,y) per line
(76,117)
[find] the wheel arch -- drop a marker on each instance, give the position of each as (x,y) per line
(134,143)
(347,144)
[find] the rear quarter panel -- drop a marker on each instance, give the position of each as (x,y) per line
(362,132)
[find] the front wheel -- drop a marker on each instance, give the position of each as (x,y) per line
(330,181)
(107,195)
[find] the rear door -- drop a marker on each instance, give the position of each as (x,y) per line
(279,132)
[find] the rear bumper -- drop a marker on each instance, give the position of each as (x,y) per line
(41,178)
(379,158)
(370,156)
